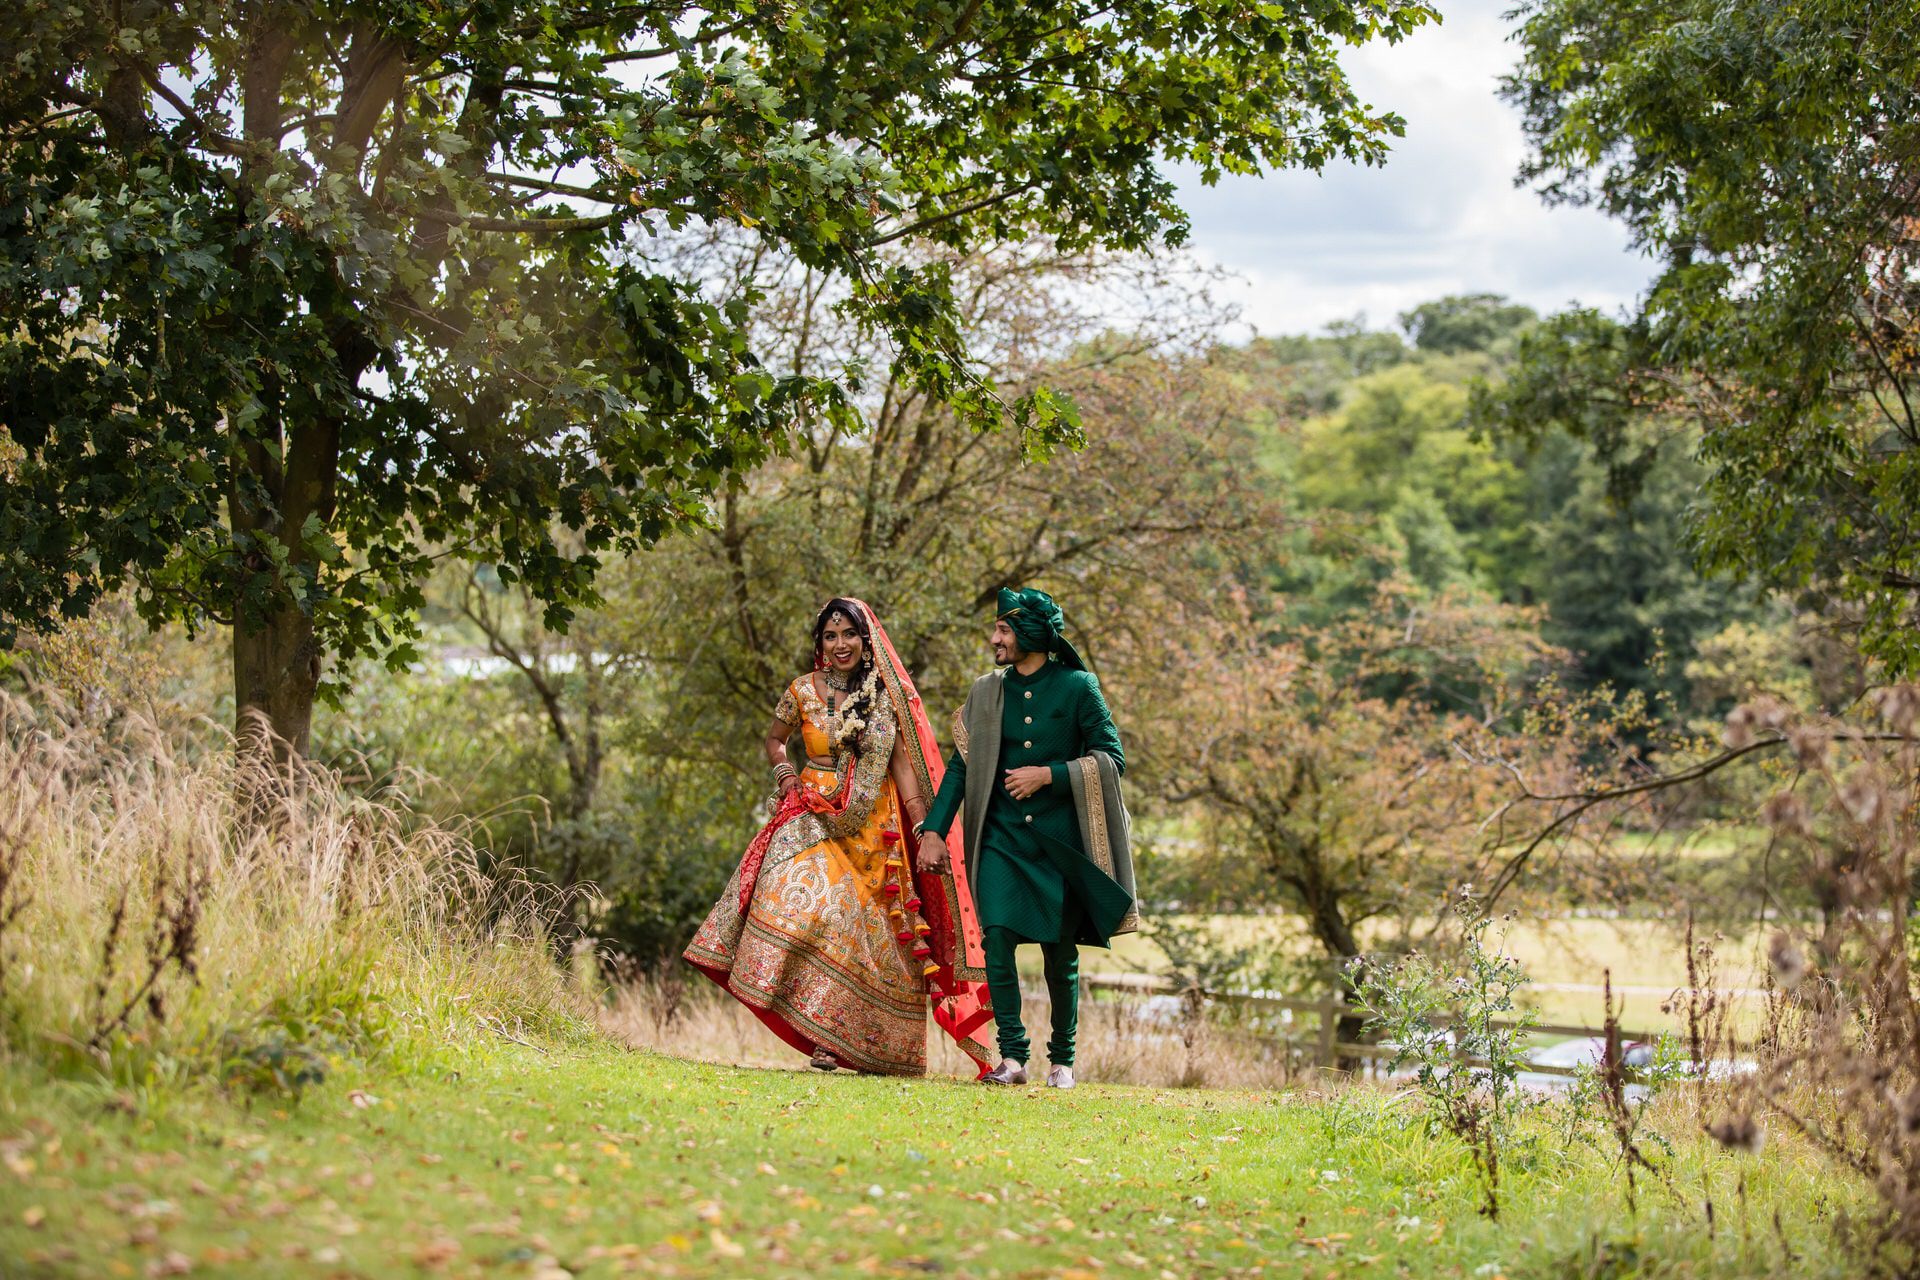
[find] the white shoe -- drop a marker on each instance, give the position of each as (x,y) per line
(1008,1072)
(1060,1077)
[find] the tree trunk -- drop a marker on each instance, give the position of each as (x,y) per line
(277,658)
(276,668)
(1328,923)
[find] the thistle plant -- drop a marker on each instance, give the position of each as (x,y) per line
(1460,1028)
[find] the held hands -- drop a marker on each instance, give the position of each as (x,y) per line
(1028,780)
(928,851)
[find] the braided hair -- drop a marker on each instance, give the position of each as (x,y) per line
(844,608)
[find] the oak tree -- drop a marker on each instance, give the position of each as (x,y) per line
(303,294)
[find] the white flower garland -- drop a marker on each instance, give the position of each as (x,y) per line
(840,729)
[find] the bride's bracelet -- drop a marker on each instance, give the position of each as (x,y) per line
(783,771)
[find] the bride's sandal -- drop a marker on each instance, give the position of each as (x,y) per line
(823,1061)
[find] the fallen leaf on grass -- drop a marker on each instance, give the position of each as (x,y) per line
(435,1254)
(171,1263)
(1333,1241)
(33,1216)
(723,1246)
(361,1099)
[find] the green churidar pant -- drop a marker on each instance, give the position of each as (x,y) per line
(1062,961)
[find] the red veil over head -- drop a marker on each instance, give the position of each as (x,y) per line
(959,988)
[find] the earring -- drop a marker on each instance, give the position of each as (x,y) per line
(819,663)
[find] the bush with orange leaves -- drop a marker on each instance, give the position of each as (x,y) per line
(1347,773)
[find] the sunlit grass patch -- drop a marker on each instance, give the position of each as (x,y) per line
(595,1161)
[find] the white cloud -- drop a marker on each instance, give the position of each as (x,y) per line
(1442,216)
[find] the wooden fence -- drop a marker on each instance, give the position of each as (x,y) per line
(1328,1048)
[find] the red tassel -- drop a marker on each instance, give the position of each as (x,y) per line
(913,904)
(905,936)
(922,952)
(890,837)
(890,887)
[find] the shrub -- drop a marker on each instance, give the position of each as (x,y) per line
(1840,1064)
(1462,1032)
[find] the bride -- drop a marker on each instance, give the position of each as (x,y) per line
(829,931)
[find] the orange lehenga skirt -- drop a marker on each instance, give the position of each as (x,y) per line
(823,953)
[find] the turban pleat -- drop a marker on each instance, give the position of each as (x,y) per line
(1038,624)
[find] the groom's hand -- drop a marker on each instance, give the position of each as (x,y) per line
(1028,780)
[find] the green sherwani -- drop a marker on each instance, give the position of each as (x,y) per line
(1023,856)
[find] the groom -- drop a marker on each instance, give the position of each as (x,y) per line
(1046,836)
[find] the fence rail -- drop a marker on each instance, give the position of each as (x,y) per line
(1328,1047)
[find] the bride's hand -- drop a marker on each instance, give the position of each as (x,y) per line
(927,856)
(787,784)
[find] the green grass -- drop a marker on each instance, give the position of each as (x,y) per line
(602,1161)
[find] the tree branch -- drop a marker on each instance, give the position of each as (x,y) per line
(1584,801)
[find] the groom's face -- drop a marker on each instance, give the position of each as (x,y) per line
(1006,651)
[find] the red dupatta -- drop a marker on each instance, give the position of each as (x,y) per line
(957,984)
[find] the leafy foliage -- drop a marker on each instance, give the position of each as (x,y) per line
(1765,154)
(648,717)
(302,295)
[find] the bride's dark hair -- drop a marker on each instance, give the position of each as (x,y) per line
(857,616)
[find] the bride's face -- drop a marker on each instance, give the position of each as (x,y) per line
(841,644)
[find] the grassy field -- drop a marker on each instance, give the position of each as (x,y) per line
(166,978)
(588,1160)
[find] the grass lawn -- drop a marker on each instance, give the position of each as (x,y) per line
(587,1159)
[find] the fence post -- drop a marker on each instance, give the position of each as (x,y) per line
(1329,1026)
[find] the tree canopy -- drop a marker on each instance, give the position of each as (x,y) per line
(1767,155)
(304,294)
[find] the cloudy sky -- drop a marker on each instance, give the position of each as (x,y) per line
(1442,216)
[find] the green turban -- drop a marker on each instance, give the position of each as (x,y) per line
(1038,624)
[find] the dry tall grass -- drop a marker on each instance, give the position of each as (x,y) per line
(145,924)
(1119,1042)
(1842,1064)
